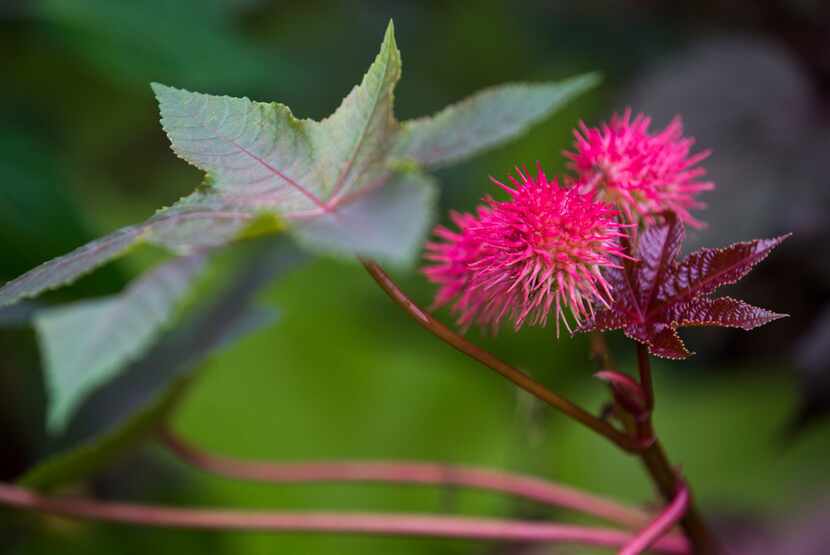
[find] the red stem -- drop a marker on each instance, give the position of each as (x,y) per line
(516,376)
(661,525)
(353,523)
(644,366)
(411,473)
(666,478)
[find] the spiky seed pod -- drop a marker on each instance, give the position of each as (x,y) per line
(642,173)
(538,254)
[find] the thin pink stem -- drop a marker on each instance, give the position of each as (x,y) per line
(352,523)
(661,525)
(411,473)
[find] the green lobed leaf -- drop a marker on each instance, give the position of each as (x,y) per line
(84,344)
(195,222)
(127,410)
(258,155)
(69,267)
(38,219)
(390,221)
(351,144)
(330,182)
(486,119)
(91,444)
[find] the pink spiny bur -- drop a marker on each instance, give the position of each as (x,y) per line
(641,172)
(539,253)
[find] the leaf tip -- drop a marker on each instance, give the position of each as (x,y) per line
(57,418)
(389,42)
(158,88)
(589,80)
(166,93)
(773,316)
(781,238)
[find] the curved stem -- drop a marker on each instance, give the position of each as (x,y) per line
(667,481)
(411,473)
(516,376)
(351,523)
(661,525)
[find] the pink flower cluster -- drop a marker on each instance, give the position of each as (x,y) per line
(540,254)
(643,174)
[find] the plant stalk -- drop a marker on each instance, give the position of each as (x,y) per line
(406,472)
(341,523)
(660,526)
(519,378)
(644,367)
(642,442)
(664,475)
(657,463)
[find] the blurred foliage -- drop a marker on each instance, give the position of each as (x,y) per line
(130,407)
(195,43)
(346,374)
(86,346)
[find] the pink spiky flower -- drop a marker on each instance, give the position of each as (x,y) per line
(539,253)
(642,173)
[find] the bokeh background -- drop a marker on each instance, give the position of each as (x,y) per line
(345,374)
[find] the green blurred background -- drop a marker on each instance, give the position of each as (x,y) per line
(344,373)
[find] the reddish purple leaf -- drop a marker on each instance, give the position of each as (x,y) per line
(661,338)
(655,295)
(705,270)
(607,320)
(657,250)
(725,312)
(667,344)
